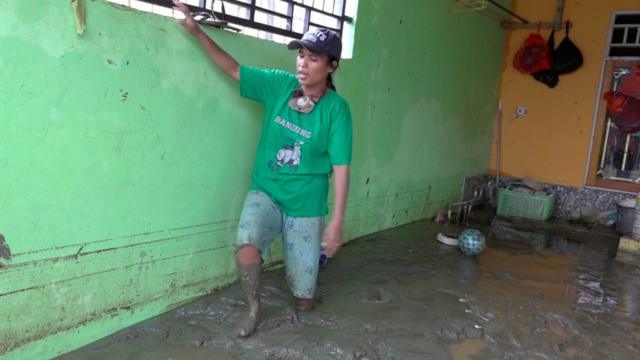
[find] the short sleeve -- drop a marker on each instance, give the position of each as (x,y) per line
(262,84)
(340,136)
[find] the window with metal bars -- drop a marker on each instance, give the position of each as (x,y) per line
(625,35)
(617,164)
(275,20)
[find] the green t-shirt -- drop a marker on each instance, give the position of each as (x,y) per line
(296,151)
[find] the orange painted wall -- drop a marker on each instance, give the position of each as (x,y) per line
(551,143)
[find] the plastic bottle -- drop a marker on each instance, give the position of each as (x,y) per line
(324,260)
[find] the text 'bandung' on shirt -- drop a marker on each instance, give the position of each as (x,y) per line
(293,127)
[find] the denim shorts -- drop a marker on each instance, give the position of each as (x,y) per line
(262,220)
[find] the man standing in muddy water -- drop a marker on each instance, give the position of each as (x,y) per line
(305,138)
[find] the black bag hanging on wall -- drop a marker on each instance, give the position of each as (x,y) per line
(568,58)
(549,77)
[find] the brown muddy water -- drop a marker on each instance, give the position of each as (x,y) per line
(534,293)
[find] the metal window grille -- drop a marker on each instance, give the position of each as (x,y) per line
(288,18)
(619,157)
(618,148)
(625,36)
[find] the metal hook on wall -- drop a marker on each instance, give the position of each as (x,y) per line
(557,24)
(481,7)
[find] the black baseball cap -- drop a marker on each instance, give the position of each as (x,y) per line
(319,41)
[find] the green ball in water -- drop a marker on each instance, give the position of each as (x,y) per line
(471,241)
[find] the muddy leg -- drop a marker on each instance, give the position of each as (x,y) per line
(304,304)
(249,269)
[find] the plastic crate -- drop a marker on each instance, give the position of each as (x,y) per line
(519,204)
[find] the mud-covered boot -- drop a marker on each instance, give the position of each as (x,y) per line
(304,304)
(250,281)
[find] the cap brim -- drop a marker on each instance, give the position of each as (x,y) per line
(295,44)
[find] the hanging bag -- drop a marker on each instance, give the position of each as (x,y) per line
(631,84)
(568,58)
(548,77)
(533,55)
(624,111)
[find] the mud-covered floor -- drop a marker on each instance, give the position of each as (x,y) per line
(534,293)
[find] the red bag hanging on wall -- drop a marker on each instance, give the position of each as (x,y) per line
(615,101)
(631,84)
(533,55)
(624,111)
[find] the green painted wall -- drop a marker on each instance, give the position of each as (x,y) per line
(125,156)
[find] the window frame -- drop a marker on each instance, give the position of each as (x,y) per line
(251,23)
(591,178)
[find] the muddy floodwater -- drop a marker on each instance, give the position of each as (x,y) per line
(534,293)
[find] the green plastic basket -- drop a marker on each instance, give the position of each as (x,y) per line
(518,204)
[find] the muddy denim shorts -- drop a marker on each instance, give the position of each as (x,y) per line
(262,220)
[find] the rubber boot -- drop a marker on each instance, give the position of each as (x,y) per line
(250,281)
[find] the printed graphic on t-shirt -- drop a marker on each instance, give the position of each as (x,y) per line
(290,150)
(288,155)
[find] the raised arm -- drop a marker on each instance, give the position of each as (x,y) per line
(224,61)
